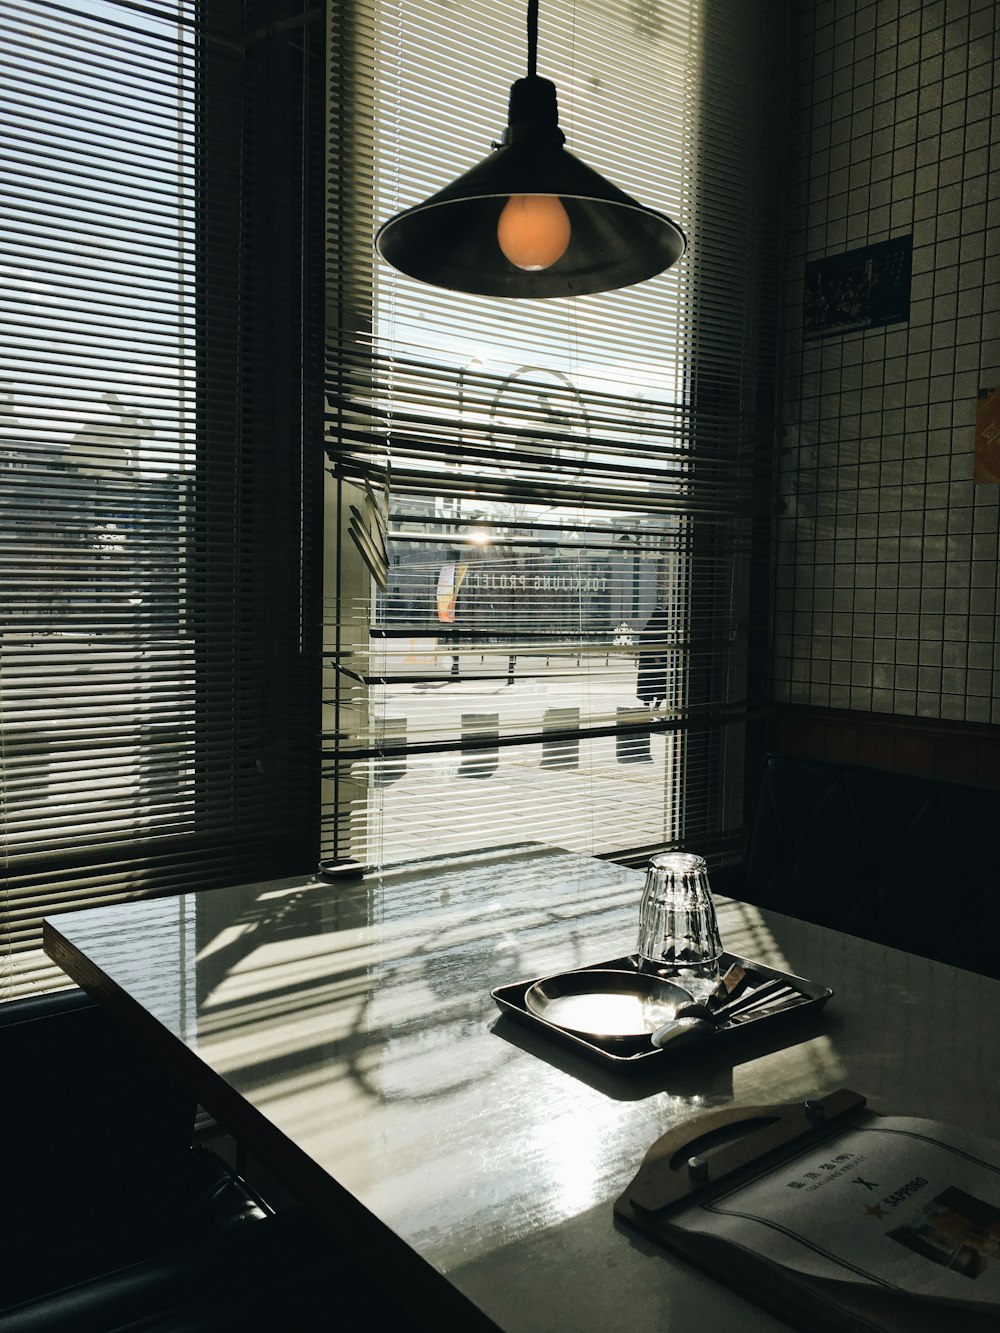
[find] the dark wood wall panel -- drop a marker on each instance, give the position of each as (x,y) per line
(966,751)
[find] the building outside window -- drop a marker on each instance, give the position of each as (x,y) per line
(152,600)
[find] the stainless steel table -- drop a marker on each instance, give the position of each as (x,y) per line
(347,1034)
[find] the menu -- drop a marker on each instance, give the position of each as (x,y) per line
(880,1223)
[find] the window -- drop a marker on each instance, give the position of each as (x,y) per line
(545,579)
(152,630)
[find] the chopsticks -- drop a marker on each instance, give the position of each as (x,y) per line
(736,1000)
(747,1002)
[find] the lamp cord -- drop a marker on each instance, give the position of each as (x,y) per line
(532,37)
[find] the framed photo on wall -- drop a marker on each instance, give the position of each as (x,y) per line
(861,289)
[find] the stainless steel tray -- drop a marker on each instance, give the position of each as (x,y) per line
(632,1054)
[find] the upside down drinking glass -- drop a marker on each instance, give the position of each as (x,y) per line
(678,931)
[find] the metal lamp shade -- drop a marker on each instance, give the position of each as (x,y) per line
(451,239)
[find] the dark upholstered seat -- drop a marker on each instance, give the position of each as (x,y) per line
(280,1274)
(95,1152)
(909,861)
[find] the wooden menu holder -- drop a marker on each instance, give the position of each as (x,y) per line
(690,1159)
(710,1154)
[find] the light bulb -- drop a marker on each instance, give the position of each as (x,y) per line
(533,230)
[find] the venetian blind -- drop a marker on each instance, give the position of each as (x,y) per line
(572,490)
(138,720)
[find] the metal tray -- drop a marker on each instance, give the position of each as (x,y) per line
(632,1054)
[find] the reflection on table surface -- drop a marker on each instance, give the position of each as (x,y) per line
(356,1017)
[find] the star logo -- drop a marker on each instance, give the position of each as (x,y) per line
(875,1210)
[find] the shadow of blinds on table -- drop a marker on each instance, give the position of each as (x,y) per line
(145,745)
(546,517)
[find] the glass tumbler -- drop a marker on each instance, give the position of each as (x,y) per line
(678,931)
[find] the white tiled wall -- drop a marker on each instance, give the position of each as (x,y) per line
(887,560)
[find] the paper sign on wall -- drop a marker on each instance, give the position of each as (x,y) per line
(987,464)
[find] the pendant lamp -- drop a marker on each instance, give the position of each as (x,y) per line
(530,220)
